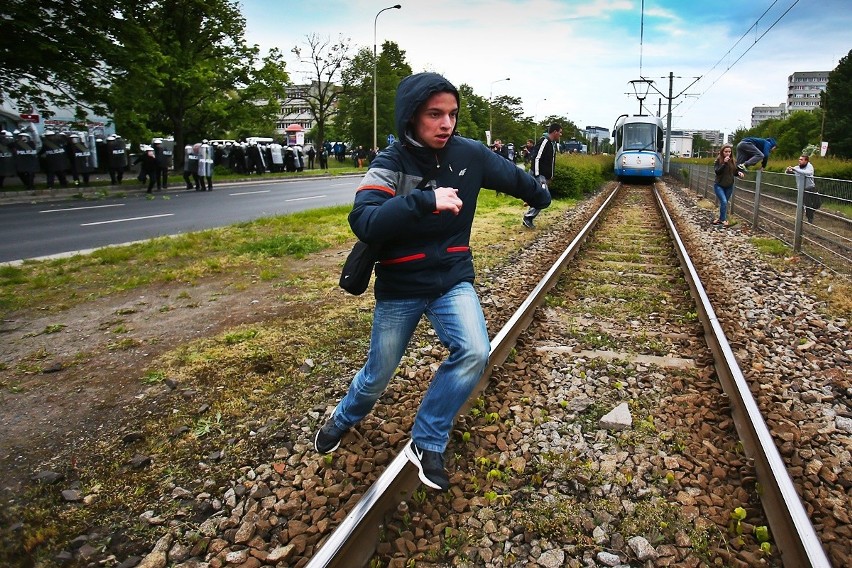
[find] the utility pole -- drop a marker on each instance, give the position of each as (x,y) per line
(670,98)
(667,161)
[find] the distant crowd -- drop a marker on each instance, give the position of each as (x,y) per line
(66,158)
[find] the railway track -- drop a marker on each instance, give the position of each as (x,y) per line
(540,474)
(601,431)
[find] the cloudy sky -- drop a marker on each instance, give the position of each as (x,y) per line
(575,58)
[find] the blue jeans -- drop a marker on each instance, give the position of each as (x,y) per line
(723,194)
(458,320)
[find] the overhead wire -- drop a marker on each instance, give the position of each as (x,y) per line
(642,35)
(757,21)
(743,54)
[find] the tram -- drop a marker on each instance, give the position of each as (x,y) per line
(638,142)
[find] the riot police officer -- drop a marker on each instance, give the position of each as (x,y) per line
(55,158)
(164,152)
(117,158)
(149,167)
(7,158)
(26,159)
(80,158)
(205,166)
(190,166)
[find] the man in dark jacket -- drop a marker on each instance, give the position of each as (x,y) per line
(752,150)
(416,205)
(542,166)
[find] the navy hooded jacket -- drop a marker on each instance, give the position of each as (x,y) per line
(765,145)
(424,252)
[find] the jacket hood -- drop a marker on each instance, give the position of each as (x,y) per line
(412,92)
(772,142)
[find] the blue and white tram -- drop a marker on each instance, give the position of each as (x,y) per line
(638,142)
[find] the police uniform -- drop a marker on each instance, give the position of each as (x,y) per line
(26,159)
(55,158)
(116,158)
(80,158)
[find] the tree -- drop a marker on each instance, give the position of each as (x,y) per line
(837,102)
(45,63)
(473,114)
(326,60)
(700,145)
(798,130)
(355,109)
(186,70)
(506,112)
(354,114)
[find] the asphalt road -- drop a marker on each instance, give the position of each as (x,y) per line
(38,230)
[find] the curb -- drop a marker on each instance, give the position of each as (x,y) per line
(10,197)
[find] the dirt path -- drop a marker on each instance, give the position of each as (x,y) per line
(59,391)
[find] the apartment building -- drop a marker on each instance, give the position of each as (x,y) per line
(804,88)
(761,113)
(294,109)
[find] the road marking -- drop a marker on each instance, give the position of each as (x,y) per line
(250,192)
(82,208)
(128,219)
(306,198)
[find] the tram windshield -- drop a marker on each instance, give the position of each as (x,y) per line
(639,136)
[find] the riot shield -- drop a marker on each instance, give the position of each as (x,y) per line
(92,146)
(190,159)
(26,156)
(7,158)
(81,157)
(277,158)
(117,153)
(165,152)
(55,157)
(205,161)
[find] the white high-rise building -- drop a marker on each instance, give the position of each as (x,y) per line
(761,113)
(804,88)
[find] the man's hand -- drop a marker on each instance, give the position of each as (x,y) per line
(447,199)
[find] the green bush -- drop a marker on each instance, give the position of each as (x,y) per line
(578,174)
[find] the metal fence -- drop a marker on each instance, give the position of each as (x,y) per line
(816,223)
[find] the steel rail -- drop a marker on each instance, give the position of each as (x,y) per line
(792,530)
(354,541)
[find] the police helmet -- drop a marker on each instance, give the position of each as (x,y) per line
(157,141)
(111,137)
(144,148)
(49,132)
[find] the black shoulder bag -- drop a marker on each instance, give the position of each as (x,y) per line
(358,268)
(359,265)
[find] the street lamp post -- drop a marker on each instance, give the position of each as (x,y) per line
(375,58)
(490,118)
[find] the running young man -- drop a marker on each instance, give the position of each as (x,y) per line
(417,203)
